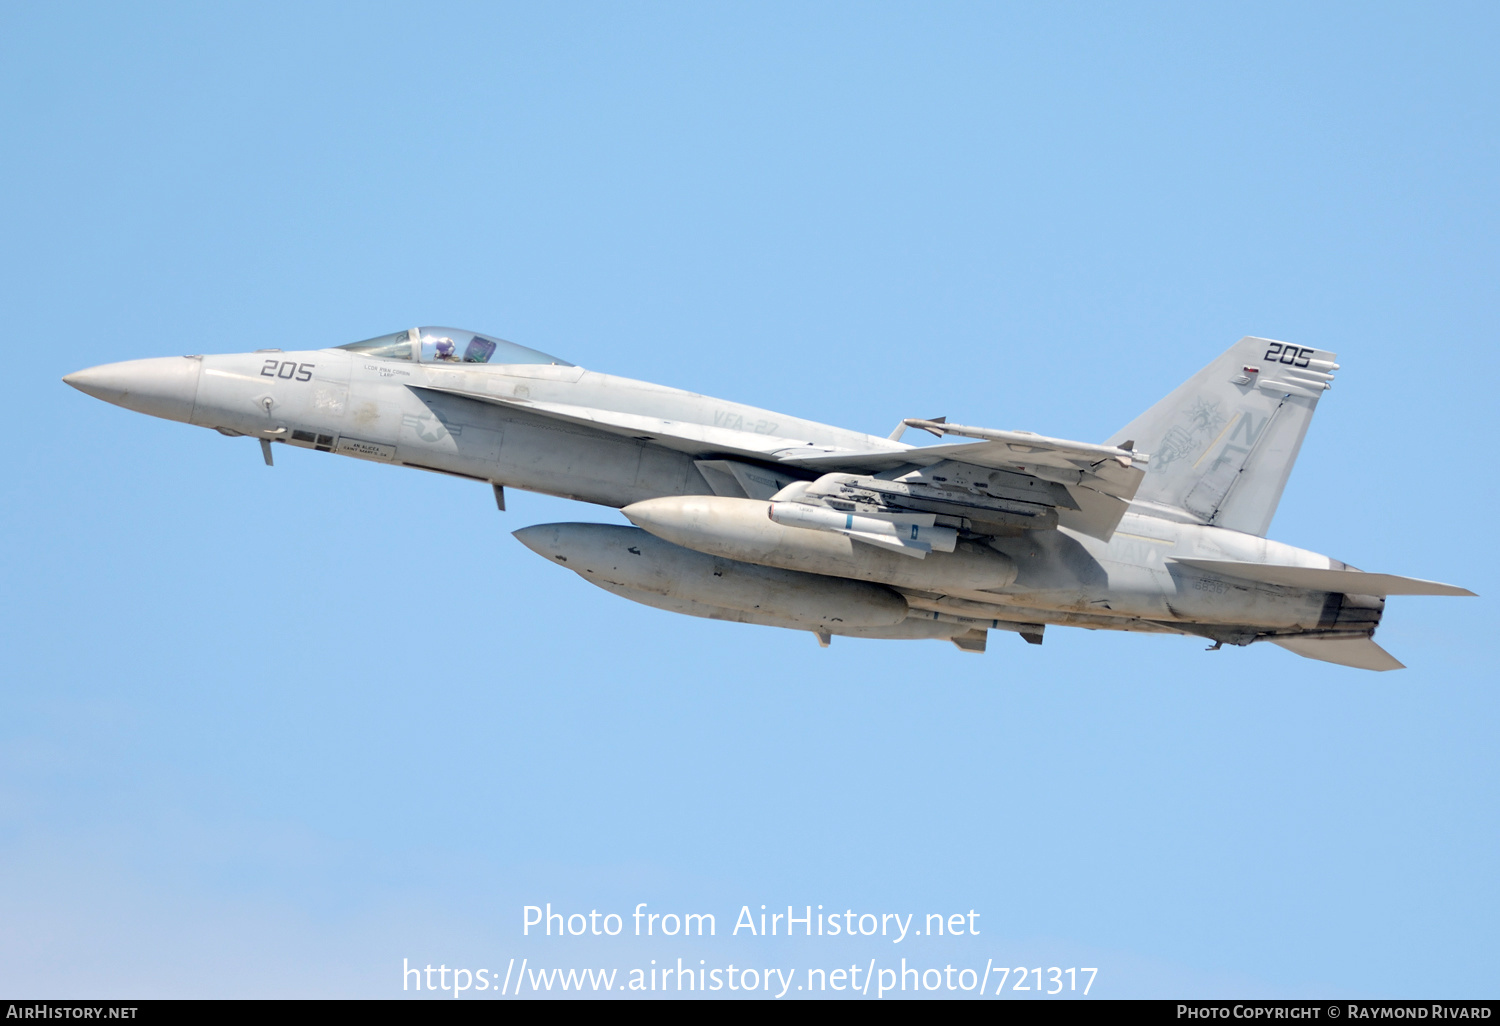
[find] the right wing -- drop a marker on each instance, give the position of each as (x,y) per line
(684,436)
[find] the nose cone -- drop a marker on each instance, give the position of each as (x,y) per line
(544,539)
(649,513)
(163,387)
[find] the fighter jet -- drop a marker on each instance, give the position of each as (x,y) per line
(751,516)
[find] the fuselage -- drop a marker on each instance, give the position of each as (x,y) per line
(432,416)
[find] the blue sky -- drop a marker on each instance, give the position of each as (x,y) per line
(258,737)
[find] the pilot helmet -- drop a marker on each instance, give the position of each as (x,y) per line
(444,347)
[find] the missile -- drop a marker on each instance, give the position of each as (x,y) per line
(741,529)
(911,534)
(630,562)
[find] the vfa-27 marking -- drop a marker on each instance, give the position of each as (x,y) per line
(751,516)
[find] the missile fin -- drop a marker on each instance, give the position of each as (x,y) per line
(971,641)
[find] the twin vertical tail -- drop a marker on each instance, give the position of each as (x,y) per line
(1223,443)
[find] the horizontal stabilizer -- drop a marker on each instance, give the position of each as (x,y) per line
(1360,653)
(1349,582)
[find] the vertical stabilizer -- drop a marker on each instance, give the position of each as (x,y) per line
(1223,443)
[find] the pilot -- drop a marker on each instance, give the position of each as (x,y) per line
(445,350)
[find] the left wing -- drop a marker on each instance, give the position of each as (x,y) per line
(1078,485)
(1005,481)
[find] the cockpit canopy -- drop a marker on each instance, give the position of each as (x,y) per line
(449,345)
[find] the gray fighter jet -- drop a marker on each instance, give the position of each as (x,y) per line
(751,516)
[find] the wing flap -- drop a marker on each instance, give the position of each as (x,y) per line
(1349,582)
(1360,653)
(1097,515)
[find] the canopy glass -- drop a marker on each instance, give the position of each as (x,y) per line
(449,345)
